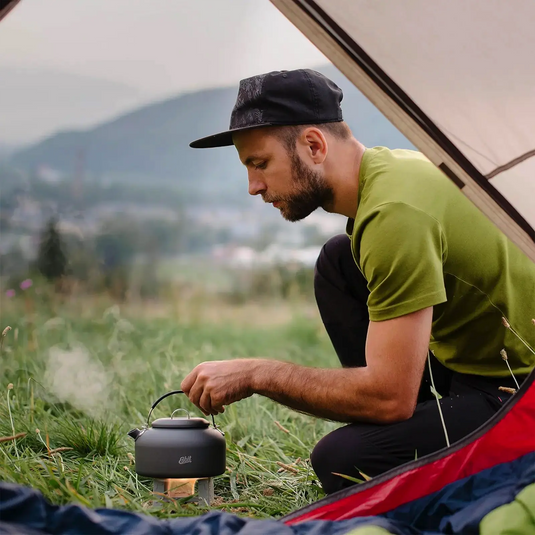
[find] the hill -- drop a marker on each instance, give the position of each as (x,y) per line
(152,142)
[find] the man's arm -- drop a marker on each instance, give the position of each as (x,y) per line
(384,391)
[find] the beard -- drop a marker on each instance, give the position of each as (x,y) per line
(311,192)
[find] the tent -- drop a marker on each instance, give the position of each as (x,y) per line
(476,127)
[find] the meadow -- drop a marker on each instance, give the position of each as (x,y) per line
(78,373)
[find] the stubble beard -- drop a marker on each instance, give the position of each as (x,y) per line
(311,192)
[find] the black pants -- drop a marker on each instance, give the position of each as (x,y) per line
(371,449)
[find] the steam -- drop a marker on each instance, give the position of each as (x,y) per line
(74,377)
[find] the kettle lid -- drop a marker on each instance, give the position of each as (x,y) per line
(181,423)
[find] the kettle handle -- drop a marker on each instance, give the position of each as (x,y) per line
(163,397)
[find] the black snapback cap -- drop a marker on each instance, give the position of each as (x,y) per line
(280,98)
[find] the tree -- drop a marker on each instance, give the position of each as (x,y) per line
(51,259)
(116,246)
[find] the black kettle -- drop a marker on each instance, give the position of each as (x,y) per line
(179,447)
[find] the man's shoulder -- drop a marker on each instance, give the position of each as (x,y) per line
(402,176)
(384,159)
(398,170)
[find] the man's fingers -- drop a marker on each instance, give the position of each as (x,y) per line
(195,394)
(205,403)
(189,381)
(218,409)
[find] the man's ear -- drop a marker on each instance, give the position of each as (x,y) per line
(315,143)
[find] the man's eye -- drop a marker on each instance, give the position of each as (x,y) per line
(262,165)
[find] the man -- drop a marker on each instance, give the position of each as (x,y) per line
(420,266)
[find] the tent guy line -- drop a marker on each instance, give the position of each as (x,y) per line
(511,164)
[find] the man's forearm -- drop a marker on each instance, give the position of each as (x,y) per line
(344,395)
(385,391)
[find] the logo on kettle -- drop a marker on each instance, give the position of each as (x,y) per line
(185,459)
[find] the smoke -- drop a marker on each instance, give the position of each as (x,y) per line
(74,377)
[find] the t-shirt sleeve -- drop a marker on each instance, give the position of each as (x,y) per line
(402,250)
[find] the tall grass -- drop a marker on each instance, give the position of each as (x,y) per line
(86,374)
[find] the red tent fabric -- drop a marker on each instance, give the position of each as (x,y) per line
(506,437)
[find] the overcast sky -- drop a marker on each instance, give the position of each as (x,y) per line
(156,46)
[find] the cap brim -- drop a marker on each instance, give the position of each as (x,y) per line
(223,139)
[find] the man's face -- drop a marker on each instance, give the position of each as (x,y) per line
(282,178)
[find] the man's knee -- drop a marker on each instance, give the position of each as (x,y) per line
(344,451)
(336,267)
(335,248)
(331,265)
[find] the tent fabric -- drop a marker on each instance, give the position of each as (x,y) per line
(468,64)
(461,506)
(6,6)
(458,508)
(25,511)
(456,77)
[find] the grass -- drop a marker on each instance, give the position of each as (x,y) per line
(83,374)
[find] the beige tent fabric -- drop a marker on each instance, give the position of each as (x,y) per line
(5,10)
(469,65)
(517,185)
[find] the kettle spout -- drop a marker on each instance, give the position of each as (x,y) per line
(134,433)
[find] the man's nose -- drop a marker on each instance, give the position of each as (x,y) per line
(256,185)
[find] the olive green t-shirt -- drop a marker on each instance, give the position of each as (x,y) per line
(420,242)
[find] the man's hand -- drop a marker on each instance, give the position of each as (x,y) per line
(211,385)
